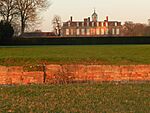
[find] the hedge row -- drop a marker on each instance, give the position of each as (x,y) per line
(76,41)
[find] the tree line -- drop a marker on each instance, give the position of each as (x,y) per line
(18,15)
(135,29)
(21,13)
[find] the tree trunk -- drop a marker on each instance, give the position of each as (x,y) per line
(22,29)
(22,26)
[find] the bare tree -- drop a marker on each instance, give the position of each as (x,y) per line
(139,29)
(128,28)
(9,13)
(147,31)
(28,10)
(133,29)
(57,24)
(16,26)
(8,10)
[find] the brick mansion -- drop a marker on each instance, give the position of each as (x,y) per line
(91,27)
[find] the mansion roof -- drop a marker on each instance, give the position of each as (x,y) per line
(90,24)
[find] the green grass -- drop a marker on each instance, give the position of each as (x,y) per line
(76,98)
(104,54)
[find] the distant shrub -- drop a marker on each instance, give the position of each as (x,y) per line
(6,30)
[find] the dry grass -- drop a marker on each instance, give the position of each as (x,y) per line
(81,98)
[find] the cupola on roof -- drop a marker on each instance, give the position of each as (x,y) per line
(94,16)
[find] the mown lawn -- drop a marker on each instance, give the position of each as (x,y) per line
(76,98)
(103,54)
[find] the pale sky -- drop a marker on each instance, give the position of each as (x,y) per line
(121,10)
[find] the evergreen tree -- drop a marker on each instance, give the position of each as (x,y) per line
(6,30)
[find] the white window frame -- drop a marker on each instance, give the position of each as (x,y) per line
(78,31)
(67,32)
(102,24)
(115,23)
(82,24)
(92,24)
(106,24)
(107,31)
(88,31)
(69,24)
(72,32)
(97,31)
(97,24)
(102,31)
(77,24)
(83,31)
(117,31)
(88,24)
(113,31)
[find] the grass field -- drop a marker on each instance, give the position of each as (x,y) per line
(104,54)
(76,98)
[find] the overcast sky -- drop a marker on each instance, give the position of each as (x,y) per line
(120,10)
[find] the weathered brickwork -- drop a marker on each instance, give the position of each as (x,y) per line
(16,75)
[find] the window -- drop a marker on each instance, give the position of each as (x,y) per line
(102,31)
(83,31)
(113,31)
(115,23)
(78,31)
(106,32)
(82,24)
(71,31)
(106,24)
(88,24)
(102,24)
(69,24)
(67,31)
(92,24)
(117,31)
(88,31)
(77,24)
(97,24)
(93,31)
(97,31)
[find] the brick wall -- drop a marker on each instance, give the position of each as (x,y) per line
(16,75)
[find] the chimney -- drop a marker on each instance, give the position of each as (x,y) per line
(85,20)
(88,19)
(71,18)
(107,18)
